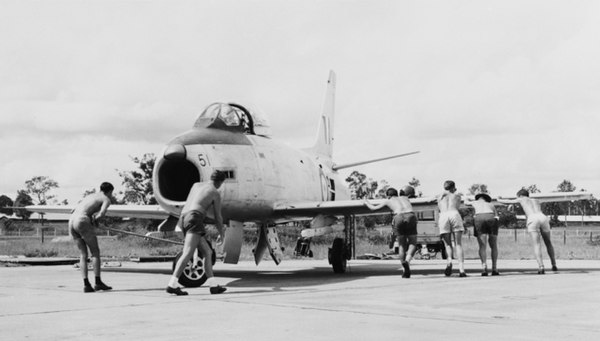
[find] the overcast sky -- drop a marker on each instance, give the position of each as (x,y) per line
(505,93)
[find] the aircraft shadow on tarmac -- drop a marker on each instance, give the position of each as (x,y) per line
(314,276)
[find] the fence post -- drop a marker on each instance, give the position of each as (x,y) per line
(515,235)
(565,236)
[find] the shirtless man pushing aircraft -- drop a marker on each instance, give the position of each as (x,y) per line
(450,223)
(404,223)
(81,228)
(202,197)
(538,225)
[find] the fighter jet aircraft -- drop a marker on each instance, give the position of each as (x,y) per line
(267,183)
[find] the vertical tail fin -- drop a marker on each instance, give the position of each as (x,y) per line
(324,142)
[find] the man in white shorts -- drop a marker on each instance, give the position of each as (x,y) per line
(538,226)
(450,223)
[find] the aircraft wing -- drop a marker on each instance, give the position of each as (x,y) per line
(343,207)
(554,197)
(133,211)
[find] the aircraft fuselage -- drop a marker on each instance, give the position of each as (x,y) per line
(260,172)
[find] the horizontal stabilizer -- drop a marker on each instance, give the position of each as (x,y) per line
(348,165)
(557,196)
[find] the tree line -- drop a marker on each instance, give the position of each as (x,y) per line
(137,189)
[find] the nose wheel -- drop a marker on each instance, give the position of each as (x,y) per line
(193,274)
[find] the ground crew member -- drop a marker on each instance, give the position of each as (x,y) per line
(450,223)
(404,223)
(538,225)
(201,198)
(81,228)
(486,230)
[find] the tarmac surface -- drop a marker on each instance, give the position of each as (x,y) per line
(305,300)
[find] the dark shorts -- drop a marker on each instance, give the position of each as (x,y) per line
(192,222)
(485,224)
(405,224)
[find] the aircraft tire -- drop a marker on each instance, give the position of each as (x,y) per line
(337,256)
(193,274)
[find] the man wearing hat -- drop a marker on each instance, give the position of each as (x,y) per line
(450,223)
(486,230)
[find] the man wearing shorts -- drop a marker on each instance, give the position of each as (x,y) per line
(450,223)
(202,197)
(404,223)
(81,228)
(486,230)
(538,226)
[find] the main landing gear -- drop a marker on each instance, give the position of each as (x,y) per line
(343,249)
(340,252)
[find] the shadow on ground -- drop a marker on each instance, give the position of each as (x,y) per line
(284,278)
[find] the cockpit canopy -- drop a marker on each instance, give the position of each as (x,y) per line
(233,117)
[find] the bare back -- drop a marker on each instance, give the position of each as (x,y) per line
(399,205)
(449,201)
(530,206)
(201,197)
(481,206)
(92,204)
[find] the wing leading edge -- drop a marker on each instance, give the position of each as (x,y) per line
(357,207)
(342,207)
(125,211)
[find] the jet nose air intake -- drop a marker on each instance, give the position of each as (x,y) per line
(175,152)
(175,174)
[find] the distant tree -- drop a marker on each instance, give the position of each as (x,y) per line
(138,182)
(532,188)
(38,188)
(478,188)
(23,199)
(6,205)
(563,207)
(382,188)
(566,186)
(415,183)
(361,186)
(89,192)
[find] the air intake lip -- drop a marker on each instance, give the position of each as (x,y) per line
(175,152)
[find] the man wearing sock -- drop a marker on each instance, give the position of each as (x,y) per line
(81,228)
(404,223)
(450,223)
(202,196)
(538,226)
